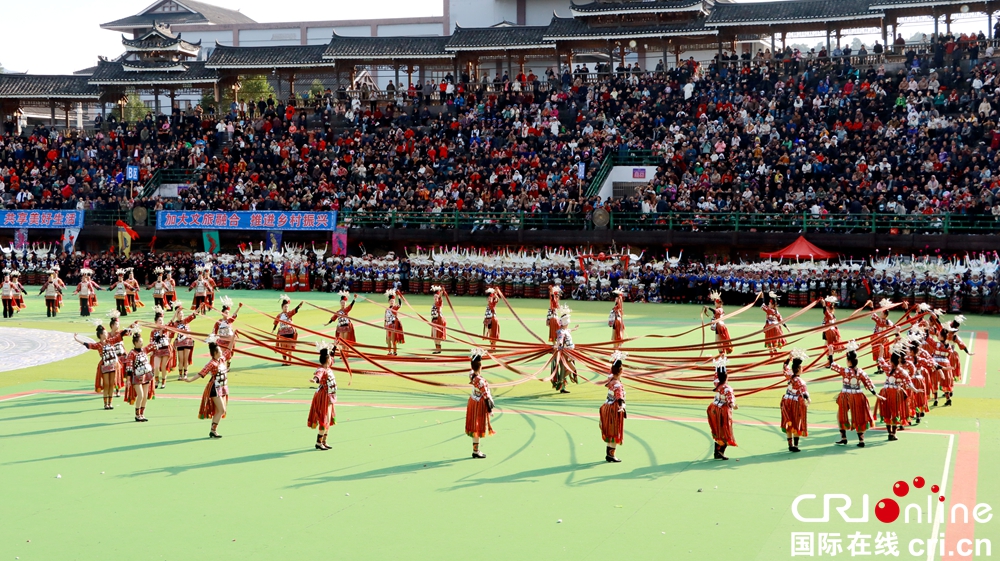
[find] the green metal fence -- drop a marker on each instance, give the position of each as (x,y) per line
(680,221)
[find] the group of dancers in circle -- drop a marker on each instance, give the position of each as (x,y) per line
(917,364)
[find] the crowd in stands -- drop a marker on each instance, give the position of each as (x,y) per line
(795,133)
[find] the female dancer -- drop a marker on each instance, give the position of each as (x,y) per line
(140,375)
(160,339)
(795,402)
(132,291)
(853,412)
(287,335)
(893,407)
(883,328)
(114,332)
(555,292)
(19,292)
(491,326)
(563,367)
(480,406)
(8,294)
(616,320)
(345,329)
(953,340)
(439,328)
(183,343)
(321,413)
(159,287)
(720,411)
(774,338)
(51,289)
(832,333)
(613,411)
(393,327)
(224,327)
(216,395)
(921,369)
(722,338)
(120,288)
(200,286)
(107,369)
(86,289)
(170,294)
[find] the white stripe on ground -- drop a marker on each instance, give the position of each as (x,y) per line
(939,512)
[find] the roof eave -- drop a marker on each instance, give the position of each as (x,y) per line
(629,35)
(860,17)
(692,8)
(502,47)
(281,65)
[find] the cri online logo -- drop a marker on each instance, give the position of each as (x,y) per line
(887,510)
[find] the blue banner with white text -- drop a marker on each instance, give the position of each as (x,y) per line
(43,219)
(246,220)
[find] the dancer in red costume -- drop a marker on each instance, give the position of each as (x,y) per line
(223,328)
(491,325)
(86,289)
(132,290)
(439,328)
(322,414)
(52,289)
(720,411)
(393,327)
(345,329)
(893,408)
(201,287)
(563,368)
(831,335)
(616,319)
(120,288)
(551,319)
(159,338)
(774,338)
(139,375)
(19,292)
(480,405)
(159,287)
(853,411)
(947,357)
(183,342)
(612,413)
(114,332)
(922,369)
(215,398)
(881,342)
(722,338)
(170,285)
(287,335)
(795,403)
(107,368)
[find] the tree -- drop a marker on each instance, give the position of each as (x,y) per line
(135,109)
(254,88)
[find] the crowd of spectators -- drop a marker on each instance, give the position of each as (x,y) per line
(795,133)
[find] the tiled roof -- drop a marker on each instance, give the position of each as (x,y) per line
(112,73)
(790,11)
(26,86)
(200,13)
(501,37)
(268,57)
(386,47)
(570,28)
(159,44)
(633,7)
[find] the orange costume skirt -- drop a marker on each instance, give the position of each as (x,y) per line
(346,333)
(439,328)
(853,412)
(893,410)
(723,339)
(477,418)
(794,416)
(773,337)
(612,423)
(322,413)
(207,408)
(720,421)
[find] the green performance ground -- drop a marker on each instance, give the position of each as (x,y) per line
(399,482)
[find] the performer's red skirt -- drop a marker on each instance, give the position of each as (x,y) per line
(893,410)
(956,366)
(553,327)
(612,423)
(346,333)
(853,412)
(492,328)
(794,416)
(944,379)
(439,328)
(773,336)
(723,339)
(618,332)
(116,378)
(207,408)
(720,420)
(832,337)
(917,401)
(397,332)
(130,395)
(321,413)
(477,418)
